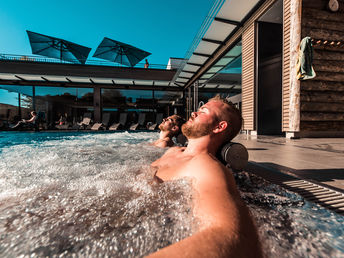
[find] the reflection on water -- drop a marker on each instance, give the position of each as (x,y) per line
(92,194)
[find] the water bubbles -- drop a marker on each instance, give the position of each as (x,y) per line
(288,225)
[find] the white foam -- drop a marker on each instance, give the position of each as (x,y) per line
(94,190)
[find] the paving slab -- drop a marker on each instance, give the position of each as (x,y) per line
(315,159)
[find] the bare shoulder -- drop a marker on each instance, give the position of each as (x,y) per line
(206,168)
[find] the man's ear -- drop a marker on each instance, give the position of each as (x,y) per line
(175,128)
(220,127)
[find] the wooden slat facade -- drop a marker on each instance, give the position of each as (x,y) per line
(248,77)
(322,98)
(286,66)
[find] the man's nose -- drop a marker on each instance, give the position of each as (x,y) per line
(194,114)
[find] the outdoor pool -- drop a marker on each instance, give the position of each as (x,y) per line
(93,194)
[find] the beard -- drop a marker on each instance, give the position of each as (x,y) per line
(196,130)
(164,127)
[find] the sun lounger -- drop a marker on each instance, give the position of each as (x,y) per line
(121,123)
(140,122)
(158,121)
(103,125)
(85,121)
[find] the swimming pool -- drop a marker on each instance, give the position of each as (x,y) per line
(92,194)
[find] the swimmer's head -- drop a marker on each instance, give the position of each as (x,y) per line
(217,117)
(172,124)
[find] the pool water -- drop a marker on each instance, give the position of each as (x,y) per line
(88,194)
(93,194)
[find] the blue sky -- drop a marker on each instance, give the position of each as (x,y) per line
(163,28)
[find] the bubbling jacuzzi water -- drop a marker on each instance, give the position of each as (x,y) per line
(88,195)
(93,194)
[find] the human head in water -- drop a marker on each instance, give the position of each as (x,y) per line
(218,118)
(172,125)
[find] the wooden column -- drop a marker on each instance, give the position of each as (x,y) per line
(295,39)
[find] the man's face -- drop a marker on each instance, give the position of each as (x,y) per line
(203,121)
(167,124)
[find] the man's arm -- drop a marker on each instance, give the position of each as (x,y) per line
(227,230)
(30,120)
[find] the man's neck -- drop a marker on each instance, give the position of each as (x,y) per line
(201,145)
(164,135)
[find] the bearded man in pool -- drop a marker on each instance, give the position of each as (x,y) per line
(226,227)
(169,128)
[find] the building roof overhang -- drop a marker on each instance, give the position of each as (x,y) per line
(74,75)
(218,34)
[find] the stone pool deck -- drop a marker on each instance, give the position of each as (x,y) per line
(311,167)
(319,160)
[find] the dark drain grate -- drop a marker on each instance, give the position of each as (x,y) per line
(325,197)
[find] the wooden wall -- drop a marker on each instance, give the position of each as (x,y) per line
(248,77)
(286,66)
(322,98)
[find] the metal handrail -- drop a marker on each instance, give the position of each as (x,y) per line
(40,59)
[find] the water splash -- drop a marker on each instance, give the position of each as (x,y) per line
(92,194)
(89,195)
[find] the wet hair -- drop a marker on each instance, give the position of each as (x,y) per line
(232,115)
(33,112)
(178,121)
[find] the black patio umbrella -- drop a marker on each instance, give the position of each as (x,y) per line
(57,48)
(119,52)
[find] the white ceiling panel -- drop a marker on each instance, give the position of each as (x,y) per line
(224,61)
(79,79)
(161,83)
(102,80)
(206,48)
(219,30)
(206,76)
(123,81)
(6,76)
(55,78)
(215,69)
(235,51)
(186,74)
(143,82)
(236,10)
(198,59)
(226,86)
(211,85)
(181,80)
(31,77)
(192,68)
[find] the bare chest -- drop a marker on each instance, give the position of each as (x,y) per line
(172,168)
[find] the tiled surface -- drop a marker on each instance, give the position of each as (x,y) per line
(318,159)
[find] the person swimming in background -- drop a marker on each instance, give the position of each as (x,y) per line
(169,127)
(226,226)
(30,121)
